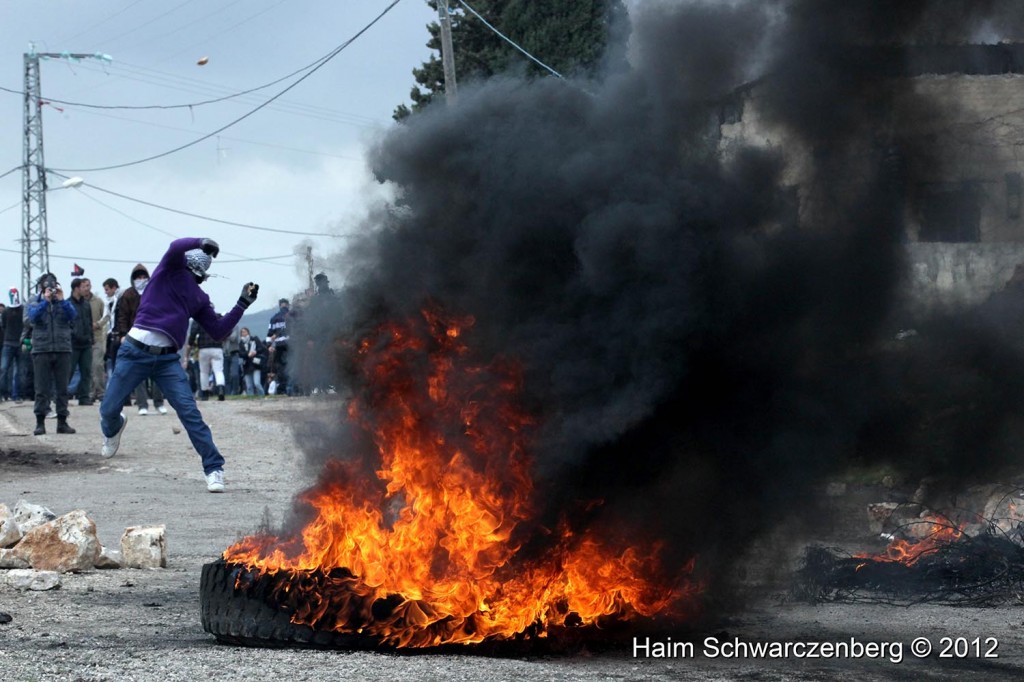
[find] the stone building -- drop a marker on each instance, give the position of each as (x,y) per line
(954,139)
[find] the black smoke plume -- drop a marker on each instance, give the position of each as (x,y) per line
(701,341)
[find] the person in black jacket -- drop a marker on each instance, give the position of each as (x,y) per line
(52,318)
(277,346)
(11,385)
(81,341)
(124,317)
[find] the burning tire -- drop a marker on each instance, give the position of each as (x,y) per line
(250,617)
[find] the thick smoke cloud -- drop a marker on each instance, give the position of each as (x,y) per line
(697,356)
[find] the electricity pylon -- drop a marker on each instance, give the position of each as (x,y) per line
(35,241)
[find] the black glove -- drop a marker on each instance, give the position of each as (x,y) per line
(249,293)
(209,247)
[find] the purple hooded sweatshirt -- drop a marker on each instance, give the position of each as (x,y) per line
(173,296)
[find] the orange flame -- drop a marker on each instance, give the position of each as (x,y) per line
(941,532)
(416,542)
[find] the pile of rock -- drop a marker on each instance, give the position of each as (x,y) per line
(37,546)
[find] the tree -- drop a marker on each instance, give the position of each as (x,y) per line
(570,36)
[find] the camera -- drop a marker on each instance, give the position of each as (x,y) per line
(49,282)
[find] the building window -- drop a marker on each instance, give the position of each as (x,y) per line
(731,111)
(950,212)
(1014,189)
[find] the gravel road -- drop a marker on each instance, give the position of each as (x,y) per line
(144,624)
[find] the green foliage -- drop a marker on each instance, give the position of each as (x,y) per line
(570,36)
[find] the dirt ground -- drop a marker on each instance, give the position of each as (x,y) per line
(144,624)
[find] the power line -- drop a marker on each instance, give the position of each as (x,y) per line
(287,106)
(226,29)
(16,168)
(149,40)
(336,52)
(188,105)
(202,217)
(147,23)
(157,229)
(121,260)
(227,137)
(300,109)
(509,40)
(67,40)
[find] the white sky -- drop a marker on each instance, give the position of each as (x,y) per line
(295,165)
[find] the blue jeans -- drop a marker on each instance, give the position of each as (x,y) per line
(254,383)
(9,379)
(133,366)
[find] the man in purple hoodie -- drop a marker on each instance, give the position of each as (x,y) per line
(150,349)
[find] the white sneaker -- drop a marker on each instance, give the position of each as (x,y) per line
(143,411)
(215,481)
(111,444)
(161,409)
(51,415)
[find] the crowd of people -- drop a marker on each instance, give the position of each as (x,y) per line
(158,340)
(245,364)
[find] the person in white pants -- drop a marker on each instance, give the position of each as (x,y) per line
(211,361)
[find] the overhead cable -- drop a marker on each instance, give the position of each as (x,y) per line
(508,40)
(225,137)
(68,39)
(202,217)
(196,215)
(153,227)
(121,260)
(324,61)
(189,105)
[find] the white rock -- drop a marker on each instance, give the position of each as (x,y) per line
(8,559)
(26,579)
(67,543)
(108,558)
(144,547)
(881,516)
(1005,511)
(28,516)
(10,532)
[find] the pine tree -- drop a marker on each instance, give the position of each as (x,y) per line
(570,36)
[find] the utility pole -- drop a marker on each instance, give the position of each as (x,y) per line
(35,240)
(447,56)
(309,265)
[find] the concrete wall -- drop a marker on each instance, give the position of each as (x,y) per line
(957,275)
(976,130)
(969,133)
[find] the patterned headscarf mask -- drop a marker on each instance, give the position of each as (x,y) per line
(198,263)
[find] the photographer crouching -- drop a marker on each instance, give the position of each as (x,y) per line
(52,317)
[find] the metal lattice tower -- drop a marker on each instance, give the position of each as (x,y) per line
(35,242)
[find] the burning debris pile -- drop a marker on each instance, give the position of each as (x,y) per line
(933,559)
(590,355)
(419,541)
